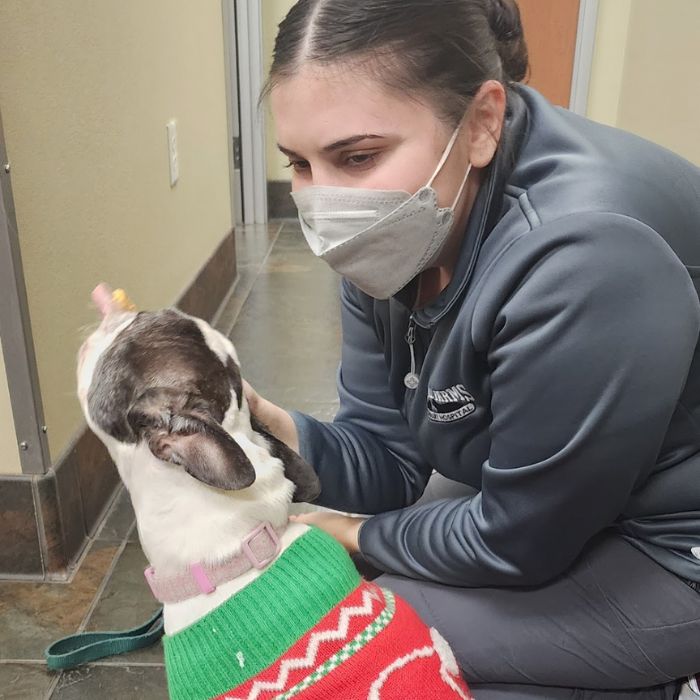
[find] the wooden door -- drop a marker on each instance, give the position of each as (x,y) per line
(551,27)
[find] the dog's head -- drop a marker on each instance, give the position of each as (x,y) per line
(172,382)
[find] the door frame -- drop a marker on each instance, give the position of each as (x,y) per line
(16,335)
(245,79)
(228,11)
(583,57)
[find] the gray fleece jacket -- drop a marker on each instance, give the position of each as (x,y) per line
(559,370)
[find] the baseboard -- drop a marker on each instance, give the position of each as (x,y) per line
(280,205)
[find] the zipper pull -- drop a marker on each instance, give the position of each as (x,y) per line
(411,380)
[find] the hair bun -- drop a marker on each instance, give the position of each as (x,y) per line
(504,18)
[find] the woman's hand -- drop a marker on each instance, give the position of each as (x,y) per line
(274,418)
(344,528)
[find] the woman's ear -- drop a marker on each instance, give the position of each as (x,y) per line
(296,469)
(485,119)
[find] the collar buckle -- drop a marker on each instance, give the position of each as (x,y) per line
(247,545)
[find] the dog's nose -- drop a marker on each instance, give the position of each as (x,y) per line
(111,304)
(102,297)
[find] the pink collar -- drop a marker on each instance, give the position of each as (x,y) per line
(258,549)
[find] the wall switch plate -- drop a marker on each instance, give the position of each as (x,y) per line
(172,152)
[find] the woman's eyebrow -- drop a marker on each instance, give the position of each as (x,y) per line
(351,140)
(343,143)
(287,152)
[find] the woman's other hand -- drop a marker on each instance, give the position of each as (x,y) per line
(344,528)
(275,419)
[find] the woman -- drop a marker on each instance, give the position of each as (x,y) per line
(519,314)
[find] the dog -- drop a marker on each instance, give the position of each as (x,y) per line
(255,606)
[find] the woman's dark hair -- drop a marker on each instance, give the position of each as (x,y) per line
(443,49)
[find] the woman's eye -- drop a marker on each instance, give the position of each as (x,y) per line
(361,160)
(299,166)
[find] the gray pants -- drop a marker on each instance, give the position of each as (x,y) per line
(615,621)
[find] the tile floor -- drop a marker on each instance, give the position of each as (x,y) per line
(283,318)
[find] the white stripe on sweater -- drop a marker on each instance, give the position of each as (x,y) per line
(448,666)
(317,638)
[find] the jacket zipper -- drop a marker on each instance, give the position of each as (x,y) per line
(412,379)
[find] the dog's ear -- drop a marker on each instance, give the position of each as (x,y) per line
(178,431)
(296,469)
(206,451)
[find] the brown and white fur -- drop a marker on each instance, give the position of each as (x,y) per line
(163,392)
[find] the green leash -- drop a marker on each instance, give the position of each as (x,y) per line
(82,648)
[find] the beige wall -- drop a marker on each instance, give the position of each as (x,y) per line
(607,72)
(645,72)
(274,11)
(86,90)
(9,455)
(660,97)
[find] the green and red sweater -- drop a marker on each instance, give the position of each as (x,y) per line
(310,628)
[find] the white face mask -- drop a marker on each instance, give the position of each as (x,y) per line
(379,239)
